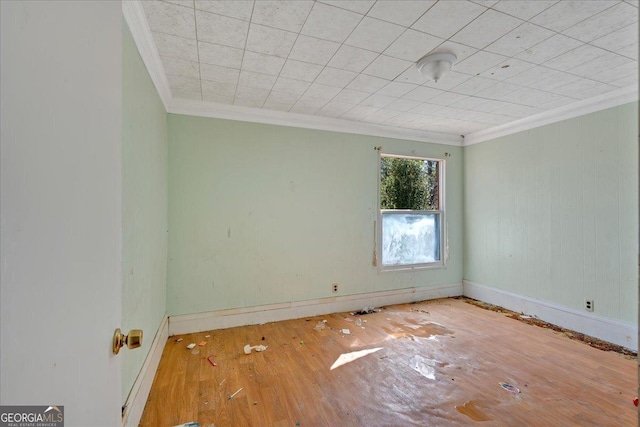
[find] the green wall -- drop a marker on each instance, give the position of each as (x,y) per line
(263,214)
(552,213)
(144,207)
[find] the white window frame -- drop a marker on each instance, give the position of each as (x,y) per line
(444,247)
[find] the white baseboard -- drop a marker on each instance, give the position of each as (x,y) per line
(189,323)
(134,406)
(613,331)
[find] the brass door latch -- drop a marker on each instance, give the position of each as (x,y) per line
(133,340)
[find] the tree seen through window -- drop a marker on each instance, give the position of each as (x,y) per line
(409,184)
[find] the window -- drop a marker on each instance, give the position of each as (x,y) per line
(411,212)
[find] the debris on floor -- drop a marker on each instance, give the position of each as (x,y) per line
(202,343)
(190,346)
(222,382)
(207,336)
(210,359)
(179,340)
(189,424)
(366,310)
(345,331)
(509,387)
(248,348)
(635,401)
(577,336)
(239,390)
(320,326)
(358,322)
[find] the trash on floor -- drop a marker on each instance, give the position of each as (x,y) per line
(358,322)
(190,346)
(239,390)
(179,340)
(424,367)
(350,357)
(320,326)
(222,382)
(366,310)
(635,401)
(207,336)
(248,348)
(189,424)
(210,359)
(202,343)
(346,331)
(509,387)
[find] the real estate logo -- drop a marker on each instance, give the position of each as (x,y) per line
(32,416)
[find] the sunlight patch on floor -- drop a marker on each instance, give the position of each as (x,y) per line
(350,357)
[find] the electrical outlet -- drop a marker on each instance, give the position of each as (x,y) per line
(588,305)
(334,288)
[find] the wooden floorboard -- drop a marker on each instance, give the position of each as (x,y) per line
(464,352)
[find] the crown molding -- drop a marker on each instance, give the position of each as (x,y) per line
(137,22)
(139,27)
(258,115)
(580,108)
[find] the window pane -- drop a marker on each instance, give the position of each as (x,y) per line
(410,238)
(409,184)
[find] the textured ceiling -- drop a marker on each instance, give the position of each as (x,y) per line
(355,60)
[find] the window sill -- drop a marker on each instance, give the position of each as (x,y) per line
(405,268)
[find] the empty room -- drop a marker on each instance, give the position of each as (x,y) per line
(319,213)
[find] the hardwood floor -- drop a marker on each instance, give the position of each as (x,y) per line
(437,363)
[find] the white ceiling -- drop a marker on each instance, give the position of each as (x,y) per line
(355,60)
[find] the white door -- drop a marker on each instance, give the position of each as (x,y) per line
(61,207)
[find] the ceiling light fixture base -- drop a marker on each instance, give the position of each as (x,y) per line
(434,66)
